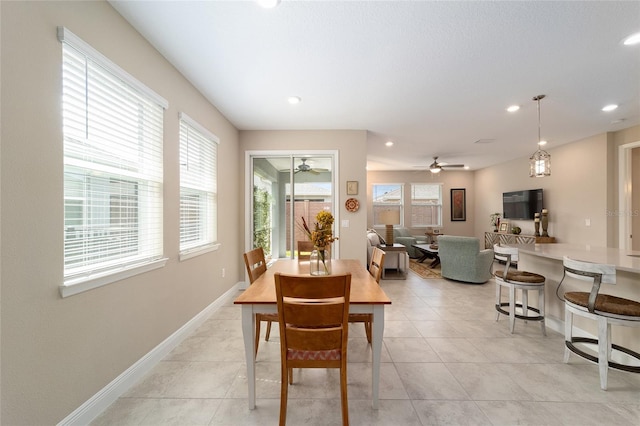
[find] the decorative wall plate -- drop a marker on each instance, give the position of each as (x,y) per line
(352,205)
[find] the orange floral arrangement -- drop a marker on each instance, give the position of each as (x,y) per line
(322,233)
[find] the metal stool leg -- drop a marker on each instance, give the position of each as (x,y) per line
(512,308)
(541,308)
(498,299)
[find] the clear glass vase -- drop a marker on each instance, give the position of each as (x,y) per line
(320,262)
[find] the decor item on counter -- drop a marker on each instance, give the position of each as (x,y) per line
(389,218)
(352,205)
(545,222)
(458,204)
(536,223)
(352,187)
(322,237)
(516,230)
(504,227)
(495,221)
(540,161)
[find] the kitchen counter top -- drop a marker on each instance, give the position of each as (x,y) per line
(623,260)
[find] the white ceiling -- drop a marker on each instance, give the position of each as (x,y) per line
(432,76)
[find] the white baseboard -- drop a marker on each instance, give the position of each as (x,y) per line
(93,407)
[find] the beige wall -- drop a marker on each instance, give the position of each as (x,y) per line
(617,139)
(575,191)
(57,353)
(352,150)
(448,178)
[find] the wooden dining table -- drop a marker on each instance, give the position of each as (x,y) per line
(366,297)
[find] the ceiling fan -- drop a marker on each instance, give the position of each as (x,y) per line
(436,167)
(304,167)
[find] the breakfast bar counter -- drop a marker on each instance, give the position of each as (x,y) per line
(546,259)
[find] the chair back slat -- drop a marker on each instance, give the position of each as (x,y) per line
(304,250)
(376,264)
(255,263)
(606,271)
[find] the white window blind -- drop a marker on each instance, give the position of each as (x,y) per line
(113,134)
(426,204)
(198,187)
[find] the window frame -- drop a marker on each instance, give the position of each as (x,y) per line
(386,205)
(416,204)
(207,205)
(137,164)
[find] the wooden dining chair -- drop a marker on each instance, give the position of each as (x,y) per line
(375,269)
(313,313)
(256,265)
(304,249)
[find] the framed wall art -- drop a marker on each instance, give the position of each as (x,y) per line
(458,204)
(352,187)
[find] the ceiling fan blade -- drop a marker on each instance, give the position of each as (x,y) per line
(451,165)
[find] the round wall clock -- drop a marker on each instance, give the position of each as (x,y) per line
(352,205)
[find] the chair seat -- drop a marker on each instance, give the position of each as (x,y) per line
(521,277)
(606,303)
(330,355)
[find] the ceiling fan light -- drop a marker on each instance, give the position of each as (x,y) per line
(435,169)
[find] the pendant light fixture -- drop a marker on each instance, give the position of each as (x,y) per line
(540,161)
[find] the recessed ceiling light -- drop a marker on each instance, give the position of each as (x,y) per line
(466,167)
(294,100)
(610,107)
(513,108)
(633,39)
(268,4)
(542,143)
(388,143)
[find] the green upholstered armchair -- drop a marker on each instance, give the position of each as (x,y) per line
(403,236)
(462,260)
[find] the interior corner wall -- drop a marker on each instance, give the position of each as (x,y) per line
(449,179)
(577,192)
(58,353)
(352,148)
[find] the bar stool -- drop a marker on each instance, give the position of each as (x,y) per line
(603,308)
(517,280)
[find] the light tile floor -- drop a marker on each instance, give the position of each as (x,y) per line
(445,361)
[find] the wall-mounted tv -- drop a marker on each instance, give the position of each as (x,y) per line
(521,205)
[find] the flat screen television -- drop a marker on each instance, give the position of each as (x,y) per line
(521,205)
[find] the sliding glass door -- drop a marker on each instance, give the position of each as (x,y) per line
(284,189)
